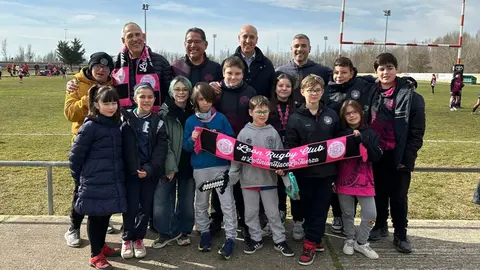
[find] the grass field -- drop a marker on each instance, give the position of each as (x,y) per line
(34,109)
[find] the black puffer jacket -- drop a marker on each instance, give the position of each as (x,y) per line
(97,167)
(261,73)
(304,128)
(233,103)
(357,89)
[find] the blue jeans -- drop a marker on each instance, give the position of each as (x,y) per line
(172,217)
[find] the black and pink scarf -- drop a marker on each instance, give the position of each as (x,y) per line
(145,72)
(313,154)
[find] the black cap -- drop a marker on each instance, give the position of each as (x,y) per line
(101,58)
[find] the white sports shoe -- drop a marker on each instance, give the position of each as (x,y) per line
(127,249)
(348,247)
(366,250)
(139,248)
(298,234)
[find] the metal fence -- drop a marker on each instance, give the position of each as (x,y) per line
(50,164)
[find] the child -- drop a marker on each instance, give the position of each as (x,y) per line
(475,107)
(75,111)
(282,106)
(433,82)
(174,218)
(456,87)
(398,116)
(355,181)
(313,122)
(233,103)
(145,148)
(345,85)
(259,183)
(208,167)
(97,167)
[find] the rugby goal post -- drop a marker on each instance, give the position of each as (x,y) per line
(458,45)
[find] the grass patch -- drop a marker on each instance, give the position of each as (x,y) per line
(36,107)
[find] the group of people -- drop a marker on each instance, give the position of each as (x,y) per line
(138,122)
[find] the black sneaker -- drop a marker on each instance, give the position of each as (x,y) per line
(163,241)
(284,249)
(378,233)
(254,246)
(402,244)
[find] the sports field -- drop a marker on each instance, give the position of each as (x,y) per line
(32,127)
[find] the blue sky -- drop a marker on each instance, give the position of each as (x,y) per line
(98,23)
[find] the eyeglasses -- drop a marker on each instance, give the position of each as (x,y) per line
(314,91)
(100,66)
(352,113)
(181,90)
(261,112)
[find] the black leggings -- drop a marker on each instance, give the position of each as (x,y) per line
(97,230)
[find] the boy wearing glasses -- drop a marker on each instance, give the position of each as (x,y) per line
(259,183)
(313,122)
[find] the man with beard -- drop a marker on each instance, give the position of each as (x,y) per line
(300,66)
(195,65)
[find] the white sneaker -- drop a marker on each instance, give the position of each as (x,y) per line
(455,108)
(73,238)
(127,249)
(451,109)
(366,250)
(348,247)
(267,232)
(139,248)
(298,234)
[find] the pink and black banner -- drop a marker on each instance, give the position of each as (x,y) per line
(229,148)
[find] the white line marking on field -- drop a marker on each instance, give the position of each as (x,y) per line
(447,141)
(35,134)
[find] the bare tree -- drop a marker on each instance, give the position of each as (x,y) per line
(29,56)
(4,49)
(20,57)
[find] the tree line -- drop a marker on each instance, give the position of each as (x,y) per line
(411,59)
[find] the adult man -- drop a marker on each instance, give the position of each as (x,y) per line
(137,63)
(195,65)
(300,66)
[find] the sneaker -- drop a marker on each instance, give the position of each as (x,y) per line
(284,249)
(205,242)
(298,234)
(227,248)
(402,244)
(337,225)
(73,238)
(267,232)
(139,249)
(127,249)
(378,233)
(110,252)
(183,240)
(308,253)
(110,229)
(366,250)
(455,108)
(99,262)
(452,109)
(254,246)
(319,247)
(348,247)
(163,241)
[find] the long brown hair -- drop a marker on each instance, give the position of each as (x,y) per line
(274,98)
(357,107)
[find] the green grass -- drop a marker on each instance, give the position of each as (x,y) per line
(36,106)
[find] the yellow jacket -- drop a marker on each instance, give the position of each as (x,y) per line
(76,103)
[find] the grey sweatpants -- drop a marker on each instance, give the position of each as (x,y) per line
(270,203)
(368,215)
(227,203)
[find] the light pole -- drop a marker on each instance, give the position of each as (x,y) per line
(387,13)
(65,33)
(214,37)
(325,51)
(145,8)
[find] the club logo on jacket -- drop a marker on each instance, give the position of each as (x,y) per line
(270,142)
(148,79)
(355,94)
(327,119)
(208,78)
(336,149)
(143,66)
(244,100)
(225,146)
(248,141)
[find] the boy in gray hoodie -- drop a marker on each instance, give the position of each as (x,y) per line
(259,183)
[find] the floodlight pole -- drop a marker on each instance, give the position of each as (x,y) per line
(214,39)
(145,8)
(325,51)
(387,13)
